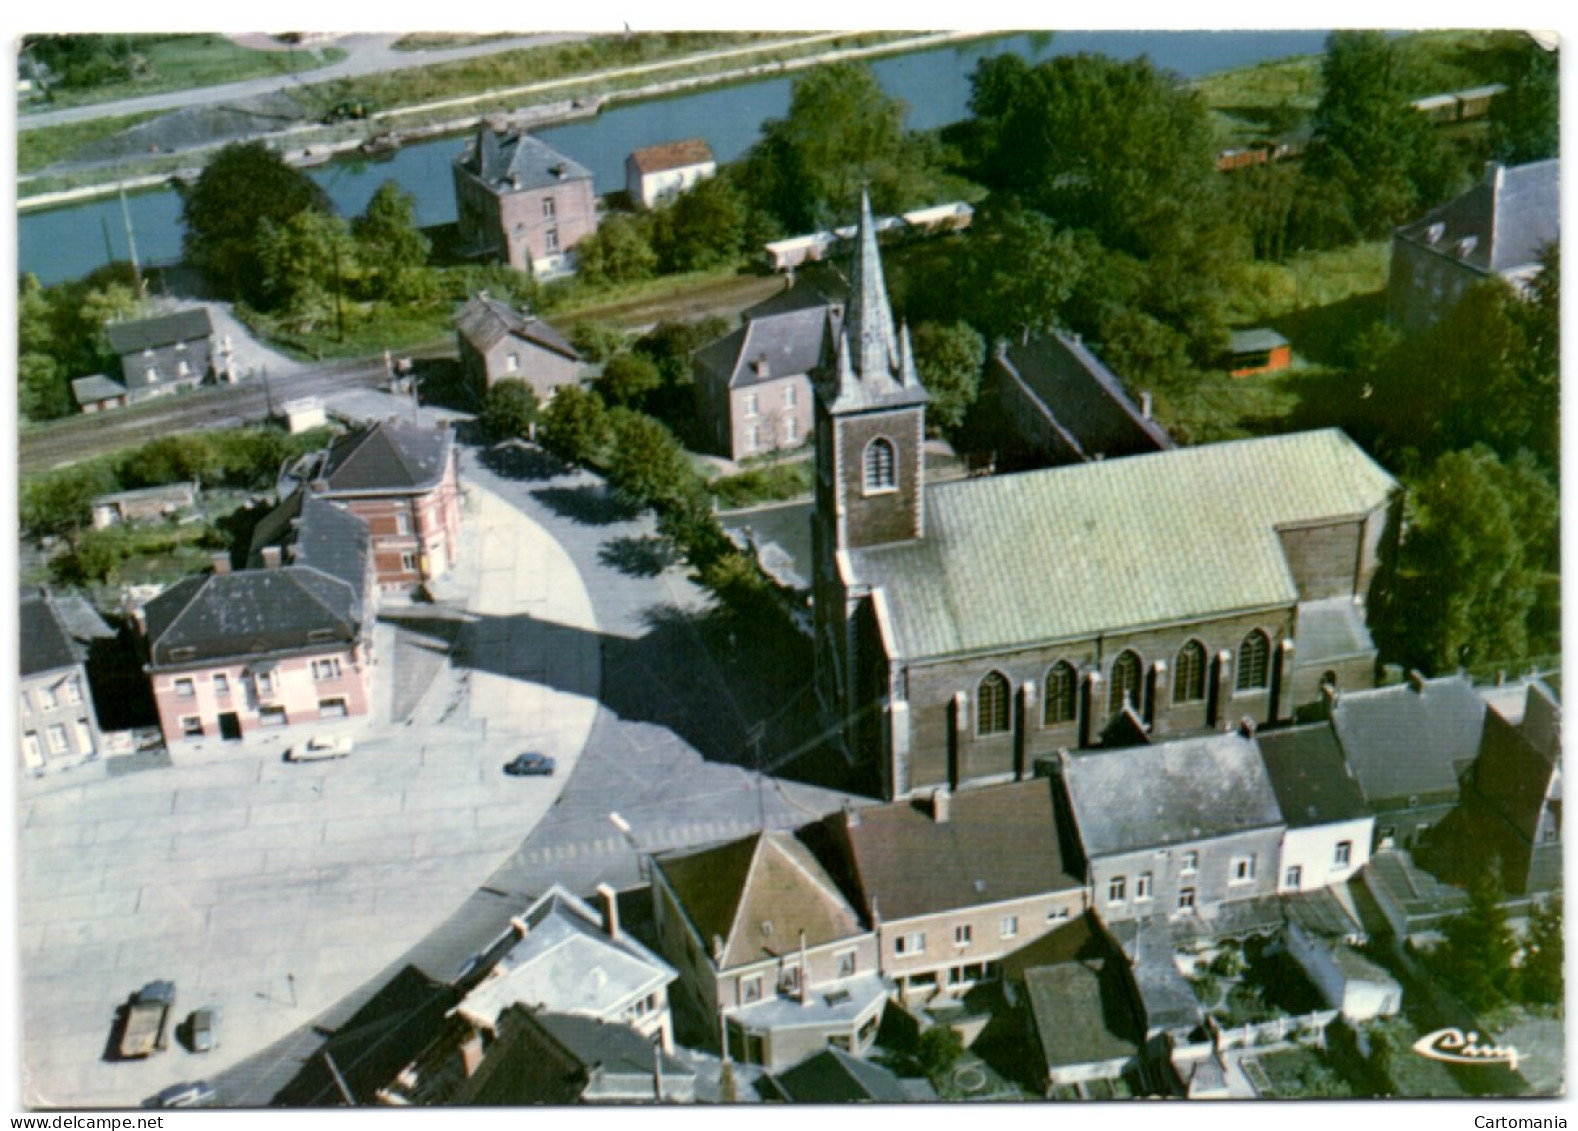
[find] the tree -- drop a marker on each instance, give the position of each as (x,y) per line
(62,501)
(1540,979)
(705,227)
(42,391)
(390,242)
(1525,119)
(308,263)
(647,467)
(938,1050)
(170,459)
(950,358)
(1018,272)
(574,425)
(1475,957)
(620,251)
(1143,349)
(597,341)
(510,409)
(628,377)
(224,210)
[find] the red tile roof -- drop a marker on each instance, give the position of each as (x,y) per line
(672,155)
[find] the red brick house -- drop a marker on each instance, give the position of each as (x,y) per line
(402,480)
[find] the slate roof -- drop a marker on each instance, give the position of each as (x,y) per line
(1080,938)
(1402,742)
(1084,1012)
(1330,629)
(1323,912)
(250,613)
(1254,341)
(498,158)
(789,330)
(672,155)
(314,532)
(1513,776)
(1084,398)
(999,843)
(835,1076)
(1313,784)
(485,322)
(1166,997)
(1090,533)
(46,644)
(1509,215)
(151,333)
(566,963)
(91,390)
(390,456)
(1171,793)
(757,894)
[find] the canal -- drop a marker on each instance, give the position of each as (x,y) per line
(65,243)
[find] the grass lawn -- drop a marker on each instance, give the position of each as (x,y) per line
(183,62)
(36,149)
(765,484)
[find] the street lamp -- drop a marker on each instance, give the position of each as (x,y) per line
(630,838)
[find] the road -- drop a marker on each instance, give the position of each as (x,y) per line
(366,54)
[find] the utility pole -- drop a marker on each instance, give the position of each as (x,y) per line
(131,245)
(339,301)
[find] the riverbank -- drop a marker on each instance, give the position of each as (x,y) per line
(573,98)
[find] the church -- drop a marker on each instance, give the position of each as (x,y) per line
(965,630)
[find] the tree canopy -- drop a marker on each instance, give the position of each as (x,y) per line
(1525,119)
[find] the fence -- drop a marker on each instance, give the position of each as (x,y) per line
(1309,1027)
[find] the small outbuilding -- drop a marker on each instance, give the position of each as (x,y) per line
(658,173)
(1261,350)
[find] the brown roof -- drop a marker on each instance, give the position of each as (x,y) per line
(672,155)
(758,895)
(998,843)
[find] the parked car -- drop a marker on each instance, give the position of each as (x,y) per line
(199,1093)
(203,1027)
(147,1026)
(319,747)
(529,765)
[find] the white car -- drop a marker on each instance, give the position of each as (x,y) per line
(319,747)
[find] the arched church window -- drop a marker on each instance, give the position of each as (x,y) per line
(1254,662)
(1062,687)
(1189,673)
(1125,682)
(991,704)
(881,465)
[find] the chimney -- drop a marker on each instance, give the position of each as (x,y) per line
(851,816)
(717,948)
(471,1053)
(608,900)
(760,366)
(940,806)
(1246,727)
(805,974)
(1416,680)
(271,557)
(518,925)
(221,561)
(1145,405)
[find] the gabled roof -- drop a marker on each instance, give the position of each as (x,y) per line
(1254,341)
(1331,628)
(1087,402)
(1313,784)
(485,322)
(834,1076)
(1189,534)
(1513,777)
(151,333)
(997,843)
(314,532)
(1411,740)
(46,644)
(566,963)
(391,456)
(91,390)
(1084,1012)
(766,349)
(672,155)
(815,287)
(1500,225)
(518,162)
(250,613)
(1172,793)
(758,895)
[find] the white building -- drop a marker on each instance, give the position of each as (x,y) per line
(659,173)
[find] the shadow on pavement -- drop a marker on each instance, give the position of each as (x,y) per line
(511,459)
(590,505)
(638,556)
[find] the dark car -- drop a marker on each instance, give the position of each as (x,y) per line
(204,1028)
(196,1094)
(529,765)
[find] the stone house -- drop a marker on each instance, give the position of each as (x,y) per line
(953,885)
(1174,831)
(163,355)
(403,481)
(56,724)
(1496,230)
(498,343)
(768,949)
(520,202)
(964,629)
(656,174)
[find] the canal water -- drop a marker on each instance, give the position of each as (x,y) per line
(65,243)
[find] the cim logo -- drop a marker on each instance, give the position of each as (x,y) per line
(1451,1046)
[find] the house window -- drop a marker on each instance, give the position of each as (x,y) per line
(1242,870)
(1191,863)
(790,982)
(753,404)
(326,669)
(1254,662)
(791,430)
(512,363)
(1125,683)
(910,944)
(26,704)
(1142,887)
(549,209)
(271,716)
(991,705)
(1344,853)
(192,727)
(1116,889)
(265,683)
(31,748)
(57,738)
(332,708)
(1294,877)
(789,396)
(408,562)
(751,989)
(846,964)
(46,699)
(881,465)
(1010,927)
(1062,686)
(551,240)
(73,691)
(403,525)
(1186,899)
(182,369)
(84,737)
(185,688)
(753,438)
(1057,915)
(221,683)
(963,934)
(1189,675)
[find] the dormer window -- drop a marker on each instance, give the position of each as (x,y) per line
(1466,246)
(1434,232)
